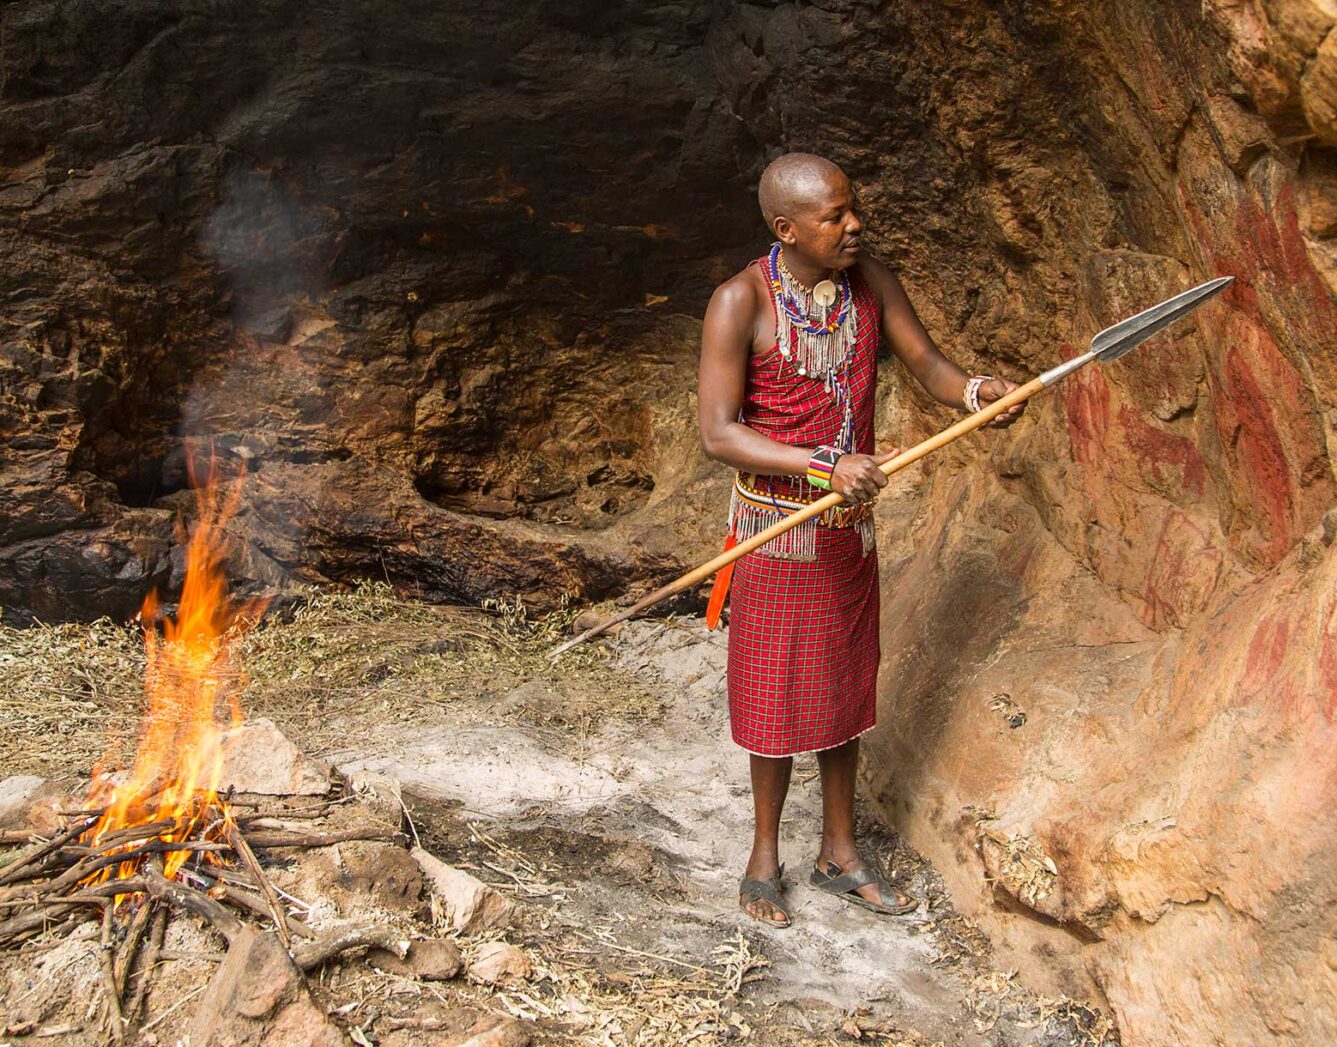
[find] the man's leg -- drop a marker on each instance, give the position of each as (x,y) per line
(770,784)
(839,767)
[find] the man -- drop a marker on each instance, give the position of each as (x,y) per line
(788,370)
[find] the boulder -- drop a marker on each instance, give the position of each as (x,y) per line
(258,758)
(258,997)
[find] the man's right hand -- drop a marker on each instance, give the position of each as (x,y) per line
(857,476)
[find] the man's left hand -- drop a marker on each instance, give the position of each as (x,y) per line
(996,389)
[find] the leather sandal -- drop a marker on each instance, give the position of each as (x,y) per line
(750,891)
(846,885)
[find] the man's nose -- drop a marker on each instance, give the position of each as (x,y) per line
(853,226)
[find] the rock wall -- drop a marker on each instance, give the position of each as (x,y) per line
(433,272)
(1107,696)
(435,275)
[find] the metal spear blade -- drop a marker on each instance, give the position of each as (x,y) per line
(1113,342)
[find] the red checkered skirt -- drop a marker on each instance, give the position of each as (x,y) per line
(803,648)
(803,636)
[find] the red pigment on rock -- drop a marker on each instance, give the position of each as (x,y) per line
(1261,680)
(1272,435)
(1269,251)
(1261,452)
(1155,449)
(1087,405)
(1327,667)
(1175,567)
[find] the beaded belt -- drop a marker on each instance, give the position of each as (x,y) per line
(755,507)
(749,492)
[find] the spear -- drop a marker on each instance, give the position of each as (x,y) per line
(1109,344)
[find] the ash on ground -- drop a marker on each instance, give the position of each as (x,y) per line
(574,833)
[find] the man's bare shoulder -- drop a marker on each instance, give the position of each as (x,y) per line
(738,294)
(874,270)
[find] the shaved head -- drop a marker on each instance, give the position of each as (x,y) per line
(795,182)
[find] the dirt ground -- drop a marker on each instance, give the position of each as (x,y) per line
(603,792)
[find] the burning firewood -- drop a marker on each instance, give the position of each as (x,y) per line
(164,836)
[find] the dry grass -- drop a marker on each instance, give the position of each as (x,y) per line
(342,661)
(61,688)
(662,1003)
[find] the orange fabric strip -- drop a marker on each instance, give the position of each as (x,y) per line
(721,587)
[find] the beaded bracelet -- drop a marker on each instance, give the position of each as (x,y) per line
(972,393)
(822,464)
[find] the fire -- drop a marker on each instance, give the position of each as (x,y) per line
(193,670)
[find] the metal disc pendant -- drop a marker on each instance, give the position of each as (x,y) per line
(824,294)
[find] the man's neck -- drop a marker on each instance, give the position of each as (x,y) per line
(807,273)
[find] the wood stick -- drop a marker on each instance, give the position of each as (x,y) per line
(830,501)
(93,863)
(184,897)
(151,955)
(422,1024)
(107,961)
(11,872)
(243,849)
(251,902)
(270,840)
(257,905)
(312,955)
(142,831)
(43,915)
(125,957)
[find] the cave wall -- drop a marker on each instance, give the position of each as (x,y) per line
(1145,568)
(432,272)
(435,274)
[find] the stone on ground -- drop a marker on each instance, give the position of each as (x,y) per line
(257,996)
(258,758)
(470,905)
(29,802)
(496,962)
(431,959)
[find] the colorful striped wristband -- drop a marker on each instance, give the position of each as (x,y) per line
(971,396)
(822,464)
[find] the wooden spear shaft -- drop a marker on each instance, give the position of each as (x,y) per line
(895,465)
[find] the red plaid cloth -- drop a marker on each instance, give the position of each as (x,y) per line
(803,637)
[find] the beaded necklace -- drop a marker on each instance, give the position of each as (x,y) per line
(820,348)
(809,331)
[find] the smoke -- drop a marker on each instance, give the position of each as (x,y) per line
(271,255)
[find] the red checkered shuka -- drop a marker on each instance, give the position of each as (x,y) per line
(803,637)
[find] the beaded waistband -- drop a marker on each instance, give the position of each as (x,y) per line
(754,491)
(755,506)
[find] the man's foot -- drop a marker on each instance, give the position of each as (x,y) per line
(861,885)
(760,899)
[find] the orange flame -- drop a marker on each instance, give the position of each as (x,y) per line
(192,670)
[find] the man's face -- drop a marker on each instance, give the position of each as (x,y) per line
(825,228)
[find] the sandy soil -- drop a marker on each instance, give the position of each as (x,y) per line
(603,792)
(642,828)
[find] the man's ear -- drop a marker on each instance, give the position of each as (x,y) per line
(784,231)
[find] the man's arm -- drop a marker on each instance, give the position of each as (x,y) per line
(726,343)
(913,346)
